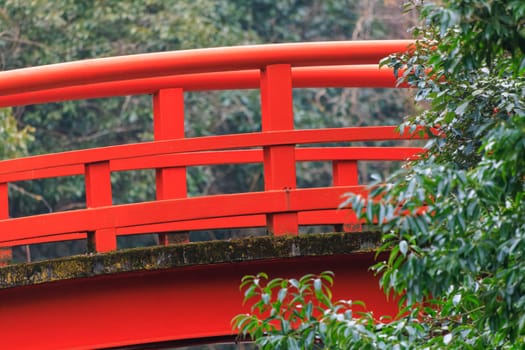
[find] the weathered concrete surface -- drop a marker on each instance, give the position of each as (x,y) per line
(183,255)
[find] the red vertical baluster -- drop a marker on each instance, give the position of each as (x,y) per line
(345,173)
(168,122)
(98,194)
(4,201)
(279,161)
(5,253)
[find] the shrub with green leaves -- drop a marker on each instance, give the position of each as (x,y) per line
(296,313)
(453,221)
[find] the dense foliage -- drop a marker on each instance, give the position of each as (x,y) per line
(299,314)
(453,220)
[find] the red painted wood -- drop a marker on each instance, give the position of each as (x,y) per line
(197,61)
(177,304)
(5,252)
(53,171)
(305,218)
(279,161)
(103,239)
(168,114)
(98,185)
(223,157)
(370,76)
(223,142)
(356,153)
(314,217)
(328,217)
(171,183)
(4,200)
(228,222)
(168,122)
(175,210)
(256,156)
(46,239)
(345,173)
(98,194)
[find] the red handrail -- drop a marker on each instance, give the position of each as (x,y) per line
(205,143)
(274,69)
(197,61)
(366,75)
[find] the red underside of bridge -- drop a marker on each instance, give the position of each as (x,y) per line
(157,306)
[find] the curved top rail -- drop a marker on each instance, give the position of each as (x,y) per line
(272,69)
(364,75)
(205,143)
(196,61)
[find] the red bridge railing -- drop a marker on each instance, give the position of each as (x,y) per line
(273,69)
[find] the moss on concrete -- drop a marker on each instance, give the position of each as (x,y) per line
(173,256)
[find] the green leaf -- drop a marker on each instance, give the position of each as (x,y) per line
(282,294)
(403,247)
(318,284)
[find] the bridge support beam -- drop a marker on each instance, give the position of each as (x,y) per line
(4,201)
(163,305)
(98,194)
(346,173)
(279,161)
(5,253)
(168,123)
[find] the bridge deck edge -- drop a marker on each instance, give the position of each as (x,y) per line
(187,255)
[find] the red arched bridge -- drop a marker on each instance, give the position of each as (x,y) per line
(189,291)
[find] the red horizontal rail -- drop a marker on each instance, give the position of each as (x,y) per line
(370,76)
(222,157)
(197,61)
(47,239)
(170,210)
(306,218)
(260,139)
(303,154)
